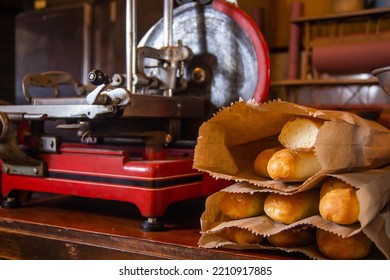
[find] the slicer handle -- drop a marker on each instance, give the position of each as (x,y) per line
(98,77)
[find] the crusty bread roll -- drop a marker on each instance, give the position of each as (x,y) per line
(243,205)
(336,247)
(243,236)
(293,165)
(338,202)
(261,161)
(300,133)
(294,237)
(288,209)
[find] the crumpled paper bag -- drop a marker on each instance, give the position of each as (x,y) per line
(229,142)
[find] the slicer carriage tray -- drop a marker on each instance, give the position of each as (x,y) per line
(116,173)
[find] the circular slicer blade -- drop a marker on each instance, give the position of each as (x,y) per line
(225,42)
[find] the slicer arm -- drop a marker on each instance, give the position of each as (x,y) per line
(169,61)
(102,100)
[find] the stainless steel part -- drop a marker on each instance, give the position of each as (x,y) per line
(140,106)
(168,9)
(50,79)
(131,42)
(221,48)
(24,169)
(170,59)
(49,144)
(14,160)
(383,76)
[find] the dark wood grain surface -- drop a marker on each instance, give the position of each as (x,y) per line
(59,227)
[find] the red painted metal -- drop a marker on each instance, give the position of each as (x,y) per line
(259,44)
(152,179)
(111,173)
(294,62)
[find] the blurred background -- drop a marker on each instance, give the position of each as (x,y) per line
(322,52)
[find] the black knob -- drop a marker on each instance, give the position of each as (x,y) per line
(97,77)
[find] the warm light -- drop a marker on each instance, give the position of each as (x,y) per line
(39,4)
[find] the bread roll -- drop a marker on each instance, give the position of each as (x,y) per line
(338,202)
(294,237)
(261,161)
(336,247)
(242,236)
(293,165)
(243,205)
(300,133)
(288,209)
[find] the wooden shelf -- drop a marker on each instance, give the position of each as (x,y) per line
(338,16)
(325,82)
(363,23)
(59,227)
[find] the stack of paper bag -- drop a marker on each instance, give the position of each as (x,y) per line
(349,147)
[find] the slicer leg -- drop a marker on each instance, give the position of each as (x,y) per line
(152,224)
(10,202)
(15,199)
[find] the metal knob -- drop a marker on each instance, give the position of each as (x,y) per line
(97,77)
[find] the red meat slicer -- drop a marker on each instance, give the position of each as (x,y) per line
(132,140)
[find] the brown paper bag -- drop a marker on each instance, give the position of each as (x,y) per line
(373,193)
(374,219)
(229,142)
(347,147)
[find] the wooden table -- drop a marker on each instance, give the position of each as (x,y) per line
(63,227)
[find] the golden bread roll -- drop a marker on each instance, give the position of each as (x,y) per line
(294,237)
(242,236)
(243,205)
(288,209)
(300,133)
(293,165)
(261,161)
(338,202)
(336,247)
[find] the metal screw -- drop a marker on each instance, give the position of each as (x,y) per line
(198,75)
(168,138)
(116,100)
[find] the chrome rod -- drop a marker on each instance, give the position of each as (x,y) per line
(168,8)
(168,11)
(131,39)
